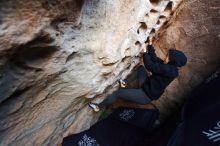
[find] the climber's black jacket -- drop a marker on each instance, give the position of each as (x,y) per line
(162,74)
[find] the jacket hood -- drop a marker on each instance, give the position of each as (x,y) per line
(177,57)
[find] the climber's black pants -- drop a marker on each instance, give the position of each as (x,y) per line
(134,95)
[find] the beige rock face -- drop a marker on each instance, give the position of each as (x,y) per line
(56,56)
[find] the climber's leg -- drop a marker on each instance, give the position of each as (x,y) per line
(139,75)
(132,77)
(134,95)
(142,75)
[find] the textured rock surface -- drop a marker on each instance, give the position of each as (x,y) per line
(56,55)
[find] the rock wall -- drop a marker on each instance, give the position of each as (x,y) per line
(56,56)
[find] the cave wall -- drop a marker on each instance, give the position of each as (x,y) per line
(56,56)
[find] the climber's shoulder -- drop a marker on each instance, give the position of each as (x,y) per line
(171,70)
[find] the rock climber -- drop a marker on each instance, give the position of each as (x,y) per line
(150,87)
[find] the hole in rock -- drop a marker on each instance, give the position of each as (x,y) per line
(126,58)
(171,14)
(162,18)
(155,2)
(32,58)
(15,95)
(138,44)
(19,92)
(44,38)
(34,54)
(152,31)
(169,7)
(142,28)
(148,40)
(166,25)
(158,22)
(70,57)
(153,13)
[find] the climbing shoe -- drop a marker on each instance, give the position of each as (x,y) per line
(94,106)
(122,83)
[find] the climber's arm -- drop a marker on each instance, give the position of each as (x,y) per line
(151,52)
(158,68)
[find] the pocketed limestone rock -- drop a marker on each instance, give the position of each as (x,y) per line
(56,56)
